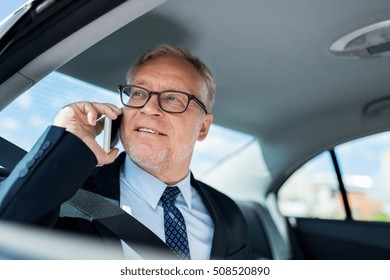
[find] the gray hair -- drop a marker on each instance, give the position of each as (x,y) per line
(208,88)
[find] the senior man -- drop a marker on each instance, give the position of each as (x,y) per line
(167,108)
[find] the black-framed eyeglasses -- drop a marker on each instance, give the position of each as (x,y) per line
(171,101)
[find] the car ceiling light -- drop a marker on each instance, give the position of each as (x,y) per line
(370,41)
(377,106)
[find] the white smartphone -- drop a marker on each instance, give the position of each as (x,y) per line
(107,134)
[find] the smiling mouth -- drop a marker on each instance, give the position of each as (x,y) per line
(147,130)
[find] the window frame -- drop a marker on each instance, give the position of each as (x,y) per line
(341,186)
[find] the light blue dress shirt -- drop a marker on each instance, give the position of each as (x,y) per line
(140,194)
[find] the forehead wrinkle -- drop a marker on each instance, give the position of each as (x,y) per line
(157,83)
(169,73)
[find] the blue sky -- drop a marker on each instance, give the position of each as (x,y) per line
(9,6)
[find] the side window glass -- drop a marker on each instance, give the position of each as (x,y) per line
(365,169)
(26,118)
(313,191)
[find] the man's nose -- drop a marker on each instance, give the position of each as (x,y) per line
(152,107)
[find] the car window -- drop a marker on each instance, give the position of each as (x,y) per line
(28,116)
(314,191)
(365,165)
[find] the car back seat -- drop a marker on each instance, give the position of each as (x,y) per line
(270,236)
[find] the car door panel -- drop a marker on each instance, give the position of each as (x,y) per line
(335,239)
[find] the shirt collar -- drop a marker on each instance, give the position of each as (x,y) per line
(150,187)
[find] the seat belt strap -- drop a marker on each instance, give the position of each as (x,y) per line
(140,238)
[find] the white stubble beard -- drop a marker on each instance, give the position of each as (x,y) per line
(157,162)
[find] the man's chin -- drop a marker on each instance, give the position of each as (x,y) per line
(147,157)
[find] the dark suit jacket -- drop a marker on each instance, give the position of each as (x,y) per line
(60,163)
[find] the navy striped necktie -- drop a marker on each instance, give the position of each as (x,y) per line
(174,224)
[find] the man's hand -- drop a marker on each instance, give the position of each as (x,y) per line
(81,119)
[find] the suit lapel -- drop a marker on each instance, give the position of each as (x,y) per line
(219,244)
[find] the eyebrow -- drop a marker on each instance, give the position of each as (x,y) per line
(146,85)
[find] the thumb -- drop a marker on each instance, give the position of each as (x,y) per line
(101,156)
(106,158)
(111,155)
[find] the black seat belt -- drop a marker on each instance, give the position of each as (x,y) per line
(100,210)
(140,238)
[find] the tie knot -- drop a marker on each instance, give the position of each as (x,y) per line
(170,194)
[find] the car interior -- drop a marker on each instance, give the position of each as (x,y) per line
(301,82)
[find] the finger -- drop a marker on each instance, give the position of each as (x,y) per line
(92,114)
(114,108)
(94,110)
(108,109)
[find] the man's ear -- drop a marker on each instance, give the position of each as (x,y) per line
(204,129)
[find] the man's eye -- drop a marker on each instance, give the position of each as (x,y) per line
(172,98)
(136,94)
